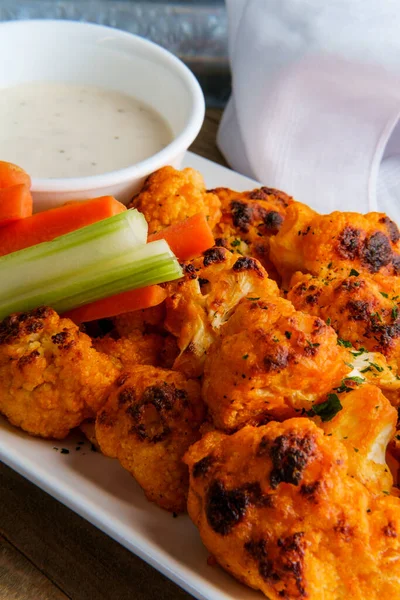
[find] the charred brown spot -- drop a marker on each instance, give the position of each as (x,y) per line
(121,379)
(203,281)
(277,361)
(396,264)
(102,418)
(349,243)
(376,252)
(292,559)
(351,285)
(359,310)
(225,508)
(189,271)
(311,299)
(344,529)
(126,395)
(203,466)
(150,414)
(28,359)
(62,339)
(390,530)
(245,263)
(221,242)
(309,490)
(272,221)
(214,256)
(392,229)
(384,334)
(290,456)
(242,215)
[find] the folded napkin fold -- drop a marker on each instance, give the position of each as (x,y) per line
(316,100)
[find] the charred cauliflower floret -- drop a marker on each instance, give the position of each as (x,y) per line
(51,378)
(277,509)
(169,196)
(365,422)
(310,242)
(201,303)
(249,219)
(150,419)
(362,310)
(270,362)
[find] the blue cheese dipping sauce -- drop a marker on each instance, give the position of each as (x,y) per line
(58,130)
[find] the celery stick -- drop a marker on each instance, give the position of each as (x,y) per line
(97,261)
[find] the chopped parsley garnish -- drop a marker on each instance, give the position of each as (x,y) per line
(358,380)
(365,370)
(358,352)
(377,367)
(395,312)
(235,243)
(288,334)
(349,365)
(344,387)
(377,315)
(356,450)
(345,344)
(353,273)
(253,299)
(326,410)
(245,356)
(330,265)
(384,294)
(328,321)
(312,345)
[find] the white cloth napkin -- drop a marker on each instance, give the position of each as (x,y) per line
(315,104)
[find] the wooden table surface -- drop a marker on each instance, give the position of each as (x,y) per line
(47,552)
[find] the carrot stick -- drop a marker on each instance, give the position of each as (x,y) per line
(47,225)
(12,175)
(118,304)
(15,204)
(188,238)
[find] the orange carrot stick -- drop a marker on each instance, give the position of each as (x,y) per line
(12,175)
(188,238)
(47,225)
(15,204)
(118,304)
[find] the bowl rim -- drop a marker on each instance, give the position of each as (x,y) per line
(178,145)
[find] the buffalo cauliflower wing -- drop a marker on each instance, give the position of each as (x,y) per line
(169,196)
(270,362)
(51,378)
(276,507)
(365,424)
(249,219)
(198,305)
(150,419)
(310,242)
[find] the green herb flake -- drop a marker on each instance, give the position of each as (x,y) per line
(353,273)
(365,370)
(253,299)
(288,334)
(395,312)
(377,367)
(326,410)
(359,352)
(356,450)
(384,294)
(357,380)
(349,365)
(330,265)
(235,243)
(345,344)
(328,321)
(245,356)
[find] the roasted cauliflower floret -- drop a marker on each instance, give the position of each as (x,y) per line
(150,419)
(277,509)
(51,378)
(169,196)
(197,306)
(365,425)
(362,311)
(270,362)
(310,242)
(249,219)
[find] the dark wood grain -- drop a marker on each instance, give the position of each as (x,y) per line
(47,552)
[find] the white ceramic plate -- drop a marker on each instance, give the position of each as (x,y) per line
(101,491)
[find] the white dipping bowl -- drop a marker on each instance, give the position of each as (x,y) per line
(82,53)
